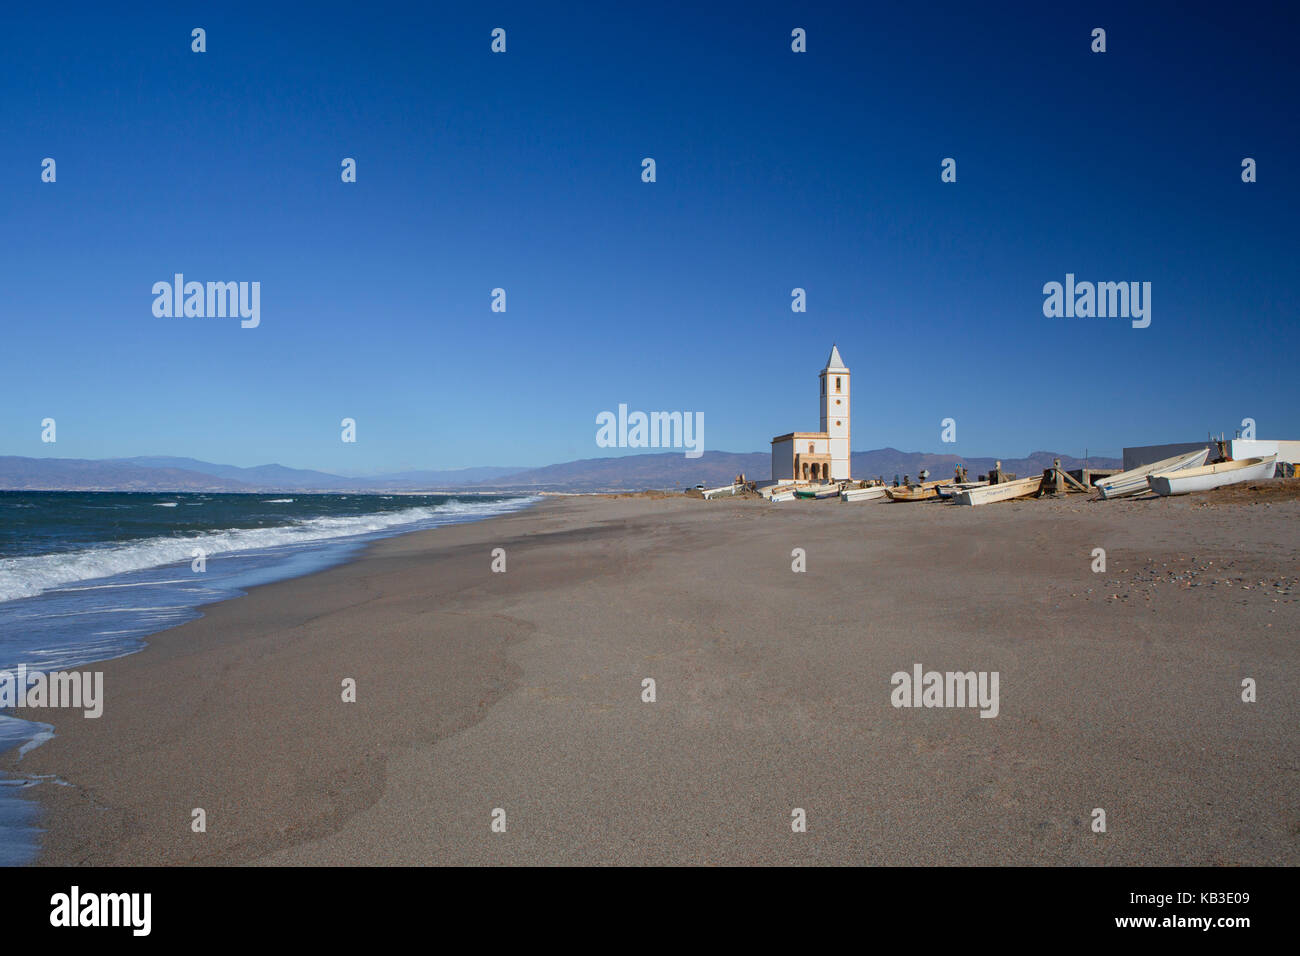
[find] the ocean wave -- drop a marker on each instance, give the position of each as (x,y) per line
(277,501)
(32,575)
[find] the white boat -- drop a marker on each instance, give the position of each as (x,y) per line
(1002,491)
(784,494)
(1134,482)
(719,492)
(874,493)
(948,491)
(1212,476)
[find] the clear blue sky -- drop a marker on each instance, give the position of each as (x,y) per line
(775,170)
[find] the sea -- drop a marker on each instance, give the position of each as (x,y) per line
(87,576)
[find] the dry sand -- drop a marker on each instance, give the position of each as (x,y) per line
(522,691)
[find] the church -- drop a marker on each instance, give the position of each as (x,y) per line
(821,455)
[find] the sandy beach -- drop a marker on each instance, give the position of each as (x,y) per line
(523,691)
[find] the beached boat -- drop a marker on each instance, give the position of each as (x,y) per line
(784,494)
(1002,491)
(1208,477)
(719,492)
(928,491)
(1134,481)
(874,493)
(948,490)
(830,491)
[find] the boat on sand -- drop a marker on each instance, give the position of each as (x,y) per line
(948,490)
(710,493)
(1134,481)
(873,493)
(1209,477)
(1002,491)
(927,491)
(821,491)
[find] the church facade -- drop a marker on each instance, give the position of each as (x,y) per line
(821,455)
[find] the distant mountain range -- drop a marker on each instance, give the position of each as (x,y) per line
(627,473)
(280,478)
(673,470)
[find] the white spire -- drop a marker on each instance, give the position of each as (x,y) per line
(835,363)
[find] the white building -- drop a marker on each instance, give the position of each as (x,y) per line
(823,455)
(1240,448)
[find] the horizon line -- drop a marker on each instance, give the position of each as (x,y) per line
(1089,454)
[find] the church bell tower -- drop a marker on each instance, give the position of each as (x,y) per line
(835,412)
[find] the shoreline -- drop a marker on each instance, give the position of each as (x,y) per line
(521,691)
(49,784)
(22,732)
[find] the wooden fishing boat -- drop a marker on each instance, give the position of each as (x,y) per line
(929,491)
(874,493)
(783,494)
(720,492)
(1002,491)
(830,491)
(951,489)
(1134,481)
(1209,477)
(912,494)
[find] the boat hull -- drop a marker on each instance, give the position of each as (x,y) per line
(863,494)
(1209,477)
(913,494)
(810,493)
(724,491)
(1003,491)
(948,491)
(1134,481)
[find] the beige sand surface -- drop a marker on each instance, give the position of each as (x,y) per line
(522,691)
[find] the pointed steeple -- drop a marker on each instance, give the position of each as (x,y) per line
(835,363)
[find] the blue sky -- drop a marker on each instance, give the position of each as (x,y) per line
(522,170)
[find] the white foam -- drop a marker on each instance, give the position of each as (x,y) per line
(29,576)
(130,584)
(44,735)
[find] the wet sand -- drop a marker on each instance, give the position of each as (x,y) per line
(522,691)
